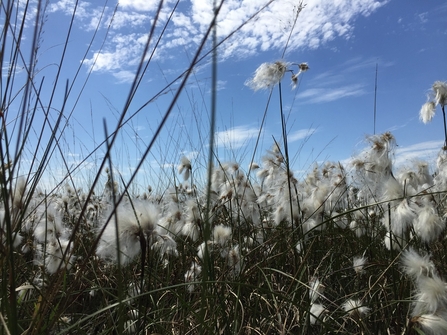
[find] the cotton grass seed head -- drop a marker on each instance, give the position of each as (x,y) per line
(427,112)
(316,289)
(438,96)
(221,234)
(415,265)
(432,323)
(440,91)
(317,312)
(294,80)
(431,295)
(355,309)
(129,223)
(190,230)
(57,256)
(192,275)
(359,264)
(303,67)
(234,258)
(267,75)
(184,167)
(428,225)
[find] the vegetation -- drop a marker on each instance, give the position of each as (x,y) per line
(247,251)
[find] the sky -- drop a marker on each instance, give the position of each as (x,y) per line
(328,115)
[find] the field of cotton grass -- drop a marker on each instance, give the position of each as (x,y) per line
(356,249)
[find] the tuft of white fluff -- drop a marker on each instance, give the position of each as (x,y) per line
(122,230)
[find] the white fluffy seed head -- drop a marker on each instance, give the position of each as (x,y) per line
(430,295)
(130,222)
(359,264)
(402,218)
(267,75)
(317,312)
(221,234)
(184,167)
(355,309)
(190,230)
(192,275)
(316,289)
(432,324)
(440,91)
(415,265)
(428,225)
(235,263)
(57,256)
(427,112)
(48,224)
(18,194)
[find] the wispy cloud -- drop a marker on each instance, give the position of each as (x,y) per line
(220,85)
(347,80)
(127,52)
(327,94)
(417,152)
(301,134)
(141,5)
(133,19)
(71,154)
(349,68)
(124,76)
(236,137)
(9,68)
(68,6)
(320,22)
(423,17)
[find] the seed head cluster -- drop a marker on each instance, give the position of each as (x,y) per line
(437,96)
(268,75)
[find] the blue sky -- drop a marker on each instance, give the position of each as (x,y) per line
(328,115)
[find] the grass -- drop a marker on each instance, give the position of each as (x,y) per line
(218,249)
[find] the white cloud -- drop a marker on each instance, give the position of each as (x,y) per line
(347,80)
(139,128)
(423,17)
(168,166)
(102,61)
(123,19)
(300,134)
(191,155)
(140,5)
(236,137)
(9,68)
(328,94)
(220,85)
(124,76)
(418,152)
(127,50)
(319,22)
(68,6)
